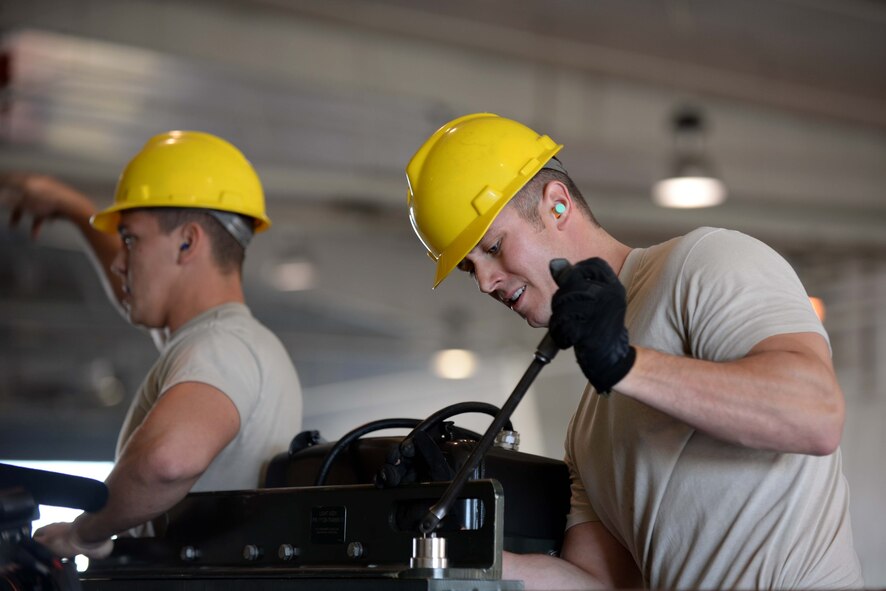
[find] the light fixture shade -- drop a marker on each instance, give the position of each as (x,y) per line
(689,192)
(693,183)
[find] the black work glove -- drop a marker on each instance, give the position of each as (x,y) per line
(588,313)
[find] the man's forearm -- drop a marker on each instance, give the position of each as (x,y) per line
(777,400)
(134,498)
(540,571)
(45,198)
(163,459)
(103,248)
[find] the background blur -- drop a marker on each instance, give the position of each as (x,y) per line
(330,98)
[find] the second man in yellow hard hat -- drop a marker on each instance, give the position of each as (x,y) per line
(224,397)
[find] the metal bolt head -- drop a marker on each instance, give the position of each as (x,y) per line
(355,550)
(287,552)
(251,552)
(505,439)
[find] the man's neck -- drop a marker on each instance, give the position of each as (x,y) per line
(599,243)
(200,296)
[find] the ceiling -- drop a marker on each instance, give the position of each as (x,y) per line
(329,98)
(813,56)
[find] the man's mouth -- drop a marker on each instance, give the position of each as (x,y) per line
(512,301)
(126,300)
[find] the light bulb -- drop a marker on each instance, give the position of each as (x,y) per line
(689,192)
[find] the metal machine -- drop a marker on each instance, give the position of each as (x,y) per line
(432,510)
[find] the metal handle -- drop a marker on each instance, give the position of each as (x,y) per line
(545,352)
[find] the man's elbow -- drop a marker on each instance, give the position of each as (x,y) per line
(827,441)
(166,465)
(826,438)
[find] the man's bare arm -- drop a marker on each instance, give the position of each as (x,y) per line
(45,198)
(189,426)
(591,559)
(783,396)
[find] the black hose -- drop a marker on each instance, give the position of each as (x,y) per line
(416,425)
(457,409)
(355,434)
(450,411)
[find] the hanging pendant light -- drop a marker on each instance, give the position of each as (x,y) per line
(453,361)
(693,181)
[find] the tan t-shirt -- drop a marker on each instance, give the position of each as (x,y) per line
(228,349)
(694,511)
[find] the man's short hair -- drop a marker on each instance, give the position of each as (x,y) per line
(226,251)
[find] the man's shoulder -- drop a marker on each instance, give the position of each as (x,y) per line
(231,323)
(677,249)
(230,317)
(699,250)
(706,234)
(232,326)
(710,242)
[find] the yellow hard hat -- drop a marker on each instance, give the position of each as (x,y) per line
(187,169)
(463,176)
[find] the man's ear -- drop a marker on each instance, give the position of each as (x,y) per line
(556,203)
(191,239)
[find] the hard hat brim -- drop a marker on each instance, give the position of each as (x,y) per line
(107,221)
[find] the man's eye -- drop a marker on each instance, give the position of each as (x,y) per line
(495,248)
(128,241)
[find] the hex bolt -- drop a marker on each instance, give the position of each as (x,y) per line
(251,552)
(189,553)
(287,552)
(355,550)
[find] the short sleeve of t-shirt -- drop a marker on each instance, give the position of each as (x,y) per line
(220,359)
(736,291)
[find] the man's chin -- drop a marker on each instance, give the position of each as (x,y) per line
(136,320)
(534,323)
(530,318)
(534,317)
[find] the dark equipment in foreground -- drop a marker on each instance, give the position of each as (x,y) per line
(24,562)
(363,513)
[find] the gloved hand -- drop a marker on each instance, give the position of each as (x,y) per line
(588,313)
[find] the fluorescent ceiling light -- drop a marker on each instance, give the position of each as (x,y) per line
(689,192)
(692,182)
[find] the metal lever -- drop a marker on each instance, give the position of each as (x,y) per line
(545,352)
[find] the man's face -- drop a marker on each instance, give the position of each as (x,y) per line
(510,263)
(147,264)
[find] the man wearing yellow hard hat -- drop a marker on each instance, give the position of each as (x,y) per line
(704,453)
(224,397)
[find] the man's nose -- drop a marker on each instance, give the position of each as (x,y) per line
(118,265)
(487,277)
